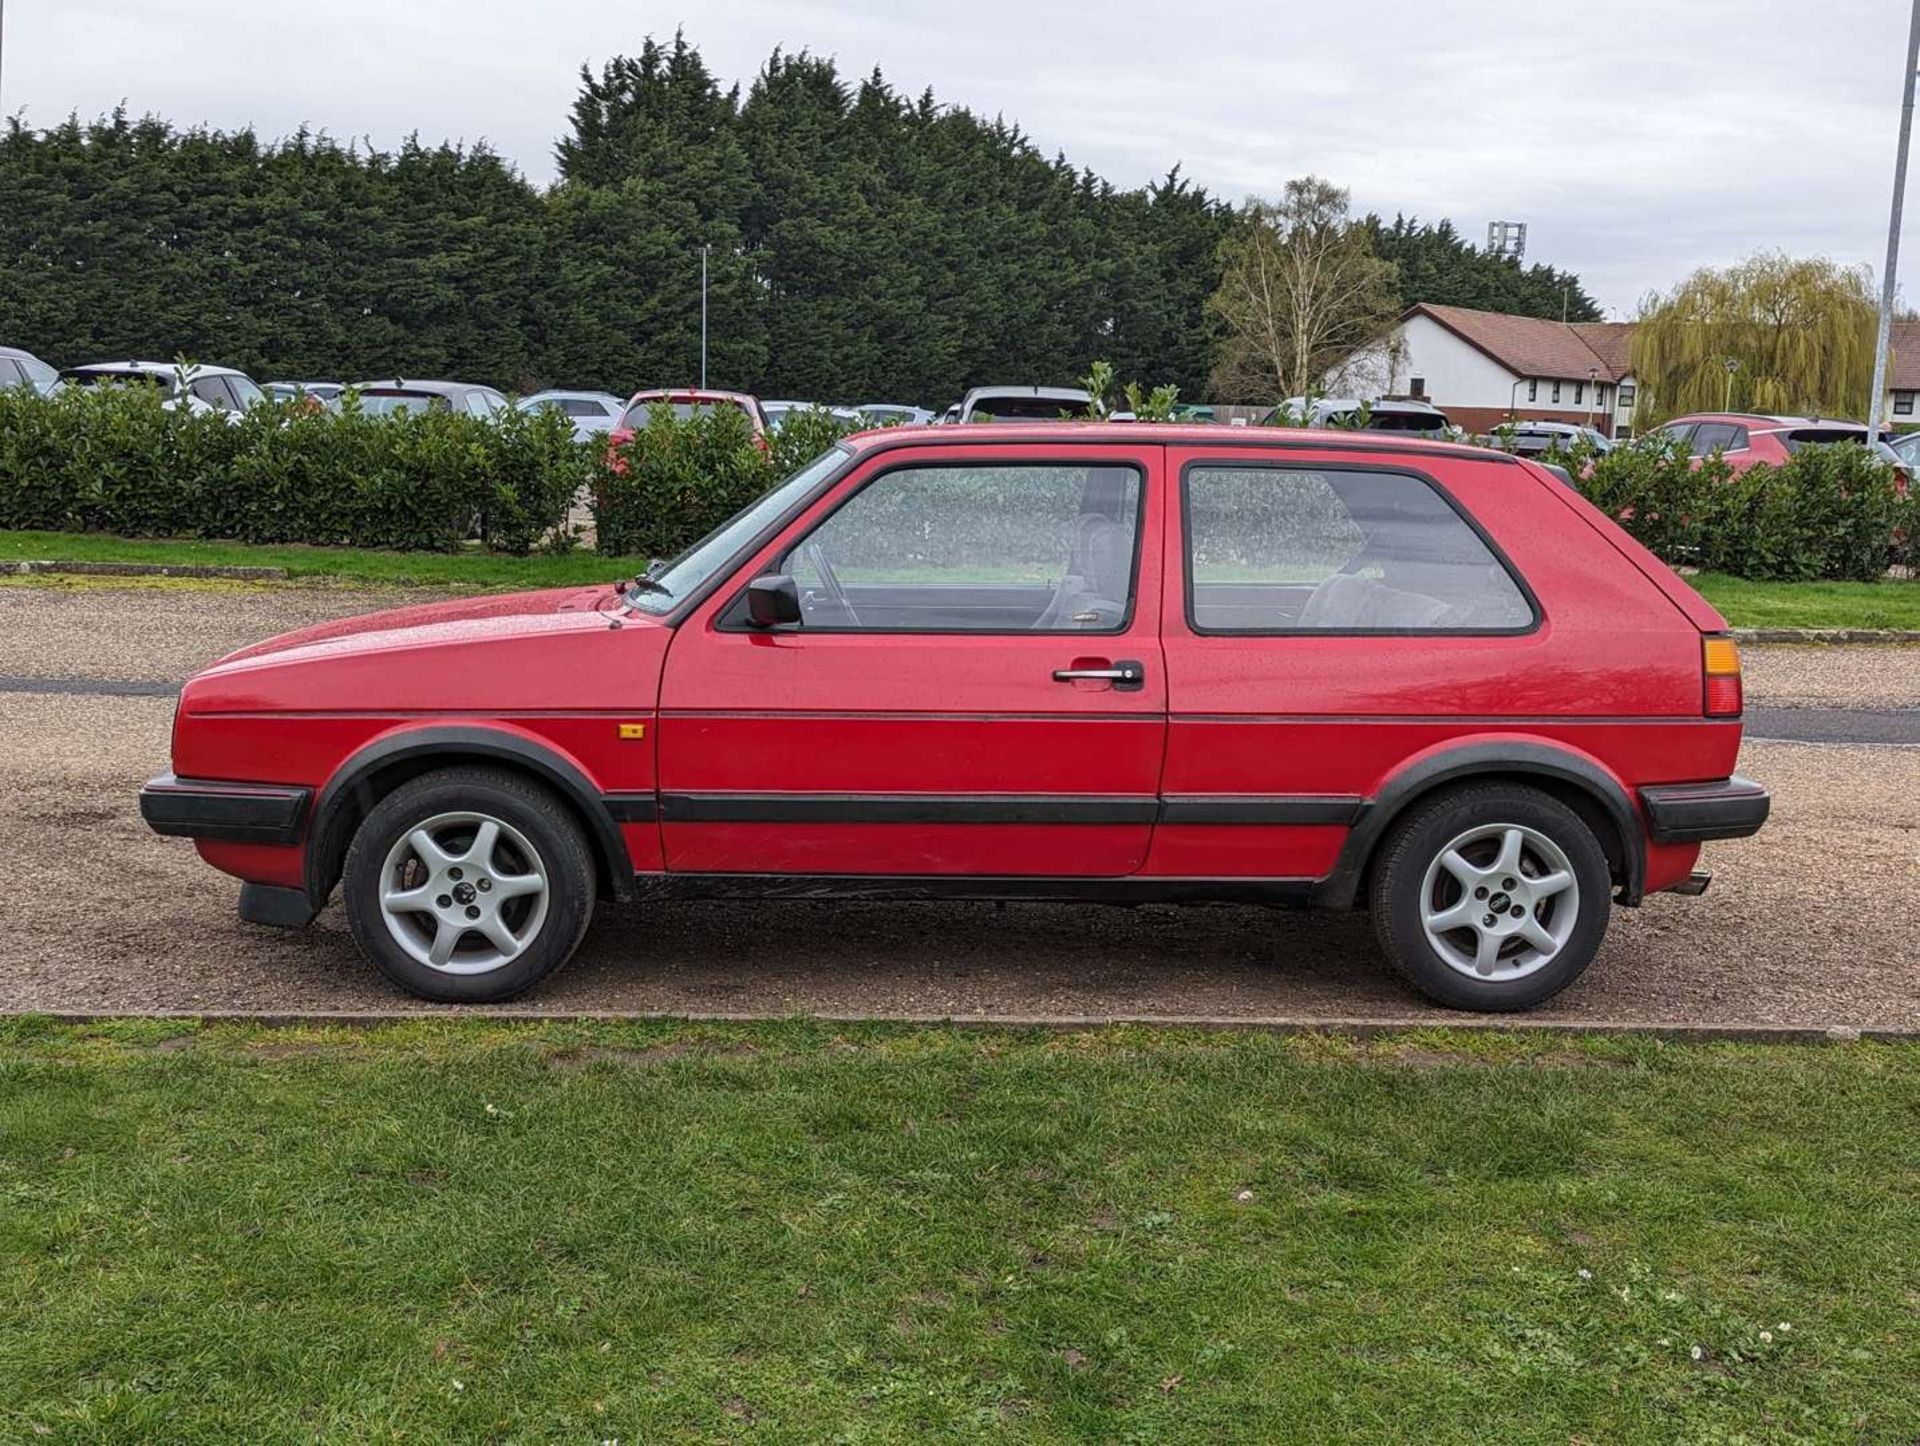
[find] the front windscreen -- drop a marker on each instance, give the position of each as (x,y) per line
(687,573)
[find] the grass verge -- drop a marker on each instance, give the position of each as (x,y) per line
(800,1232)
(1891,604)
(482,570)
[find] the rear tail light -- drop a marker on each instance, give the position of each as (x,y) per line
(1720,665)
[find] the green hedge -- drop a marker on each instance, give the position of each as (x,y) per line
(115,459)
(1832,513)
(676,480)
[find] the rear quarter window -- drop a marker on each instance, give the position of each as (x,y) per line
(1281,550)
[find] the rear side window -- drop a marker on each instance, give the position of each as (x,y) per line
(1711,437)
(1285,550)
(213,391)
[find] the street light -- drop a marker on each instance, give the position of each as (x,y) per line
(1726,399)
(704,249)
(1877,400)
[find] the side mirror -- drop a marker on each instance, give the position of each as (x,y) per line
(772,601)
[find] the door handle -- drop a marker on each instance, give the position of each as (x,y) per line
(1125,675)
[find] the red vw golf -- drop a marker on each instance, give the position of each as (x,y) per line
(1073,661)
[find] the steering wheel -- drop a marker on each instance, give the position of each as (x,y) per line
(837,593)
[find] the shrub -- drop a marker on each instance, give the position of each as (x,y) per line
(116,459)
(1828,513)
(677,479)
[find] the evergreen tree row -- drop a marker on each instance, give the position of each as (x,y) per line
(862,245)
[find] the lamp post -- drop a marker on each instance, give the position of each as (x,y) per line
(704,249)
(1877,400)
(1726,397)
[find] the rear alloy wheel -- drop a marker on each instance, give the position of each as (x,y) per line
(470,884)
(1491,897)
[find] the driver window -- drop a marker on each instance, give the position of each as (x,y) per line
(987,549)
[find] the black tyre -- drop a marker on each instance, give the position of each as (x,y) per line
(469,885)
(1491,896)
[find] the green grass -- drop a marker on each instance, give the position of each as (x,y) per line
(344,564)
(799,1232)
(1891,604)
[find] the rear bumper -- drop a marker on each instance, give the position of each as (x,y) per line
(261,813)
(1694,812)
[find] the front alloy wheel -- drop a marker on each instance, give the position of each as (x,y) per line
(469,884)
(463,892)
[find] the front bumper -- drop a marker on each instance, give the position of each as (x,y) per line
(1694,812)
(197,808)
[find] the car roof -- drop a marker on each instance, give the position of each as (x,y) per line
(571,392)
(1048,394)
(18,351)
(691,394)
(154,368)
(408,384)
(1764,420)
(1198,434)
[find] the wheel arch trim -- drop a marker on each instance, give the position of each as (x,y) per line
(1489,757)
(454,744)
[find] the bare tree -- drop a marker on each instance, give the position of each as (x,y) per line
(1303,300)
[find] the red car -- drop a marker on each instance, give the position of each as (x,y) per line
(1068,661)
(684,403)
(1748,439)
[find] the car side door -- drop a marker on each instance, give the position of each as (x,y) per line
(1328,614)
(973,686)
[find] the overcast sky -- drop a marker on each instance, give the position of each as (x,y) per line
(1639,138)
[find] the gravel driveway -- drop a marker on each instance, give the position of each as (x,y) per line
(1813,922)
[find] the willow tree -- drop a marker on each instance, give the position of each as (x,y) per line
(1303,301)
(1772,334)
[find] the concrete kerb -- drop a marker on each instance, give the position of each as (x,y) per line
(1345,1027)
(30,567)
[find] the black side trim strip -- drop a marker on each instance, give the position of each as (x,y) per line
(266,813)
(906,808)
(1260,809)
(1693,812)
(632,807)
(1285,892)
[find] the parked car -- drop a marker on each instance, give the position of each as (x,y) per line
(23,369)
(1532,438)
(683,403)
(219,389)
(592,413)
(1041,661)
(1019,404)
(328,394)
(402,395)
(1382,414)
(1746,439)
(893,414)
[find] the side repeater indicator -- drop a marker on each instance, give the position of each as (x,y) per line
(630,731)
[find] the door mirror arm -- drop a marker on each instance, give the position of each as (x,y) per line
(773,602)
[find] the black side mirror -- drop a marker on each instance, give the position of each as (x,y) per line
(772,601)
